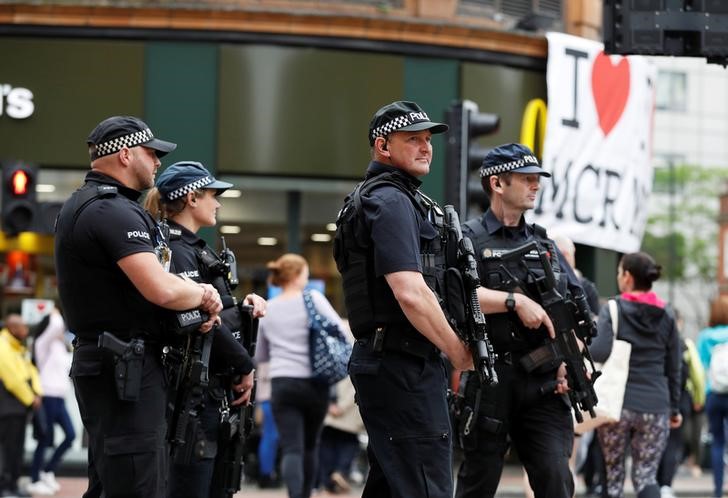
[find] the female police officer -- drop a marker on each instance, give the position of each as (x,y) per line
(186,196)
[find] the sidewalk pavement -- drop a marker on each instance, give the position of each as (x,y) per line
(511,486)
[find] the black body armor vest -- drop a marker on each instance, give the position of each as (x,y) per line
(369,299)
(513,275)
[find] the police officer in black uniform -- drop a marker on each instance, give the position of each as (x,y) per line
(388,250)
(186,197)
(111,280)
(537,419)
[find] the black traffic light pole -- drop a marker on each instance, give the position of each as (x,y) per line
(466,122)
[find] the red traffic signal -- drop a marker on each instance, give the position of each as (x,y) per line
(19,182)
(18,197)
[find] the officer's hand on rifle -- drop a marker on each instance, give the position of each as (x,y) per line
(460,356)
(258,303)
(243,389)
(562,383)
(211,323)
(532,315)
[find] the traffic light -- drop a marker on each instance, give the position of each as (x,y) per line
(684,28)
(18,197)
(464,156)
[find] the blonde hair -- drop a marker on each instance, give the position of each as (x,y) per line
(286,268)
(161,208)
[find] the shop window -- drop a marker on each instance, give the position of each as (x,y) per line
(671,91)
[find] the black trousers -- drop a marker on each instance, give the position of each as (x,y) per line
(402,400)
(540,427)
(12,439)
(194,477)
(127,452)
(299,408)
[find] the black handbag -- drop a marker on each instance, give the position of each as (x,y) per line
(328,348)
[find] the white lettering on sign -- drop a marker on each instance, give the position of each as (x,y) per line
(16,103)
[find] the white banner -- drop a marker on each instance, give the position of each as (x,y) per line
(598,145)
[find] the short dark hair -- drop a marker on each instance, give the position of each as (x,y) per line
(643,269)
(502,177)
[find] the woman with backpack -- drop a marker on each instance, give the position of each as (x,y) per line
(713,351)
(652,392)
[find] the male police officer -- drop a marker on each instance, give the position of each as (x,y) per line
(387,250)
(110,279)
(539,423)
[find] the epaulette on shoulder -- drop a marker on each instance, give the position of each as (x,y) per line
(106,191)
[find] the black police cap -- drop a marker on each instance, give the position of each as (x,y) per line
(114,133)
(187,176)
(401,116)
(511,157)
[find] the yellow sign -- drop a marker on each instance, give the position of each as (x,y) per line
(533,126)
(30,242)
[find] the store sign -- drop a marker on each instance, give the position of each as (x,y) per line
(598,144)
(16,102)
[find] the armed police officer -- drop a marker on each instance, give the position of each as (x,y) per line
(526,404)
(388,250)
(110,258)
(186,197)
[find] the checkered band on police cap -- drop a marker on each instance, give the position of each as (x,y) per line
(401,116)
(511,157)
(389,127)
(130,140)
(506,167)
(113,134)
(190,187)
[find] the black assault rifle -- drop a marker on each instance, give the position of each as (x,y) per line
(462,273)
(190,381)
(571,318)
(237,422)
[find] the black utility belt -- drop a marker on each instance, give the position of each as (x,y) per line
(402,340)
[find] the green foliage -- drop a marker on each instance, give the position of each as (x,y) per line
(696,191)
(660,247)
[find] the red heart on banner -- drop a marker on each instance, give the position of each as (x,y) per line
(41,306)
(610,87)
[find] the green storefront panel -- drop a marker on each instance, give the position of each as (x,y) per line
(301,111)
(75,84)
(181,98)
(433,83)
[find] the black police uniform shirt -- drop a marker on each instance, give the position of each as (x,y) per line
(514,237)
(226,351)
(96,294)
(396,228)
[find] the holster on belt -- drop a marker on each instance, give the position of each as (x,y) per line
(128,364)
(410,342)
